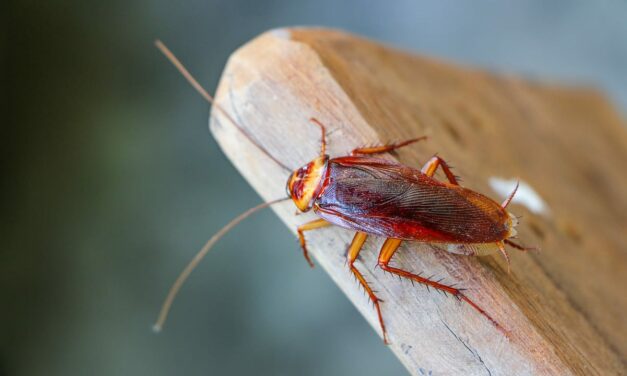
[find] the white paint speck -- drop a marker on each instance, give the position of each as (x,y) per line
(525,195)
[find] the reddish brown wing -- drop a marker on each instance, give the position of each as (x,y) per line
(388,199)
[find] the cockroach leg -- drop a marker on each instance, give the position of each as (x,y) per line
(385,148)
(432,165)
(353,252)
(505,255)
(318,223)
(520,247)
(323,141)
(390,246)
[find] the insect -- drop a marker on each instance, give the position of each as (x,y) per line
(378,197)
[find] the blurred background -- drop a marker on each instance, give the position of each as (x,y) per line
(111,181)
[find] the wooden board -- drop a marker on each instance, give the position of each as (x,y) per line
(564,307)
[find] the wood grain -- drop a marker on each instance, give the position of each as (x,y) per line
(564,307)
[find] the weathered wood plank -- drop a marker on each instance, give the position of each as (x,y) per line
(564,308)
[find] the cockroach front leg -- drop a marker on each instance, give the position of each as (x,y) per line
(385,148)
(318,223)
(432,165)
(390,246)
(353,252)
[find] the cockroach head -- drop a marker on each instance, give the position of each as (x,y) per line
(305,184)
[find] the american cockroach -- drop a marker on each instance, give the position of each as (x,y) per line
(375,196)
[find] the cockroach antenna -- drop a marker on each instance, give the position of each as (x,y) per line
(167,304)
(188,76)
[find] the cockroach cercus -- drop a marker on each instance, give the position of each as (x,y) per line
(375,196)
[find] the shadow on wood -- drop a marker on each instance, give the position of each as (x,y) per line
(564,307)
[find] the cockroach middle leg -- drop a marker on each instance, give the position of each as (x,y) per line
(318,223)
(432,165)
(390,246)
(353,252)
(385,148)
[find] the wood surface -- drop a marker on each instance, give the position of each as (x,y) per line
(564,307)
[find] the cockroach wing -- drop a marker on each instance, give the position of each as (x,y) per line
(392,200)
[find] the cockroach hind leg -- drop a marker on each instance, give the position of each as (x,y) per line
(390,246)
(462,296)
(521,248)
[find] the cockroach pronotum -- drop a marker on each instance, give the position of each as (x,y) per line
(375,196)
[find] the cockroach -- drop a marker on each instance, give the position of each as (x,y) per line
(379,197)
